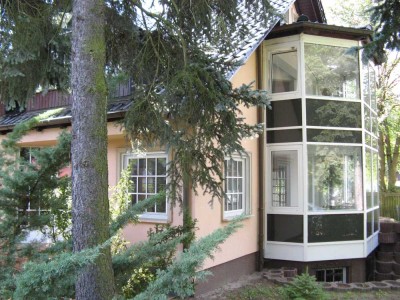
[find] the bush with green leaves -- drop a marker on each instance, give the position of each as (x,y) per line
(303,287)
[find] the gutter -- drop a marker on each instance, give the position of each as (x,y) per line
(261,162)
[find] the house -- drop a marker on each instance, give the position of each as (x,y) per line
(308,184)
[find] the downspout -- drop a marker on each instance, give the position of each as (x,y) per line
(261,183)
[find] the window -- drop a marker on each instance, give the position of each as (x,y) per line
(335,178)
(148,176)
(284,72)
(335,228)
(331,275)
(236,185)
(331,71)
(285,228)
(284,178)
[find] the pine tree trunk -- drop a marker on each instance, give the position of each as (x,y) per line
(90,212)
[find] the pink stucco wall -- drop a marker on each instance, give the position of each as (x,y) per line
(209,217)
(244,241)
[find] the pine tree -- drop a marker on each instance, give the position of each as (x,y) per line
(175,57)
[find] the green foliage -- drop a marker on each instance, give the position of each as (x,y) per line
(387,27)
(179,277)
(303,287)
(138,282)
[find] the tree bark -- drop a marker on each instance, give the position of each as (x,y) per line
(90,207)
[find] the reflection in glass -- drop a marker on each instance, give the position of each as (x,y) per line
(284,136)
(334,178)
(334,136)
(370,223)
(367,119)
(331,71)
(285,228)
(333,113)
(376,220)
(284,72)
(375,178)
(332,228)
(366,86)
(368,177)
(284,113)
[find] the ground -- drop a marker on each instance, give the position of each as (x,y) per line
(255,287)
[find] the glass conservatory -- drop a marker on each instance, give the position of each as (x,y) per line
(321,145)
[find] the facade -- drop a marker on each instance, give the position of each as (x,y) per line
(308,184)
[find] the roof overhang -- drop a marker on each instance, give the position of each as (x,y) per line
(358,34)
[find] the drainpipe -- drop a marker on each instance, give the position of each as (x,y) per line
(261,183)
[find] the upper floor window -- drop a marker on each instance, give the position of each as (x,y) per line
(148,177)
(236,184)
(284,72)
(331,71)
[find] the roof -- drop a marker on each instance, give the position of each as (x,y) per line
(115,110)
(321,30)
(258,31)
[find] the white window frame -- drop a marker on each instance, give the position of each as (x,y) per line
(296,177)
(246,187)
(157,217)
(269,51)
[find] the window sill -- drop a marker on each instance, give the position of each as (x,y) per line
(154,218)
(230,218)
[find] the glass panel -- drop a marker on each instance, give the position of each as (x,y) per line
(161,166)
(161,207)
(367,119)
(134,166)
(375,178)
(151,185)
(376,220)
(375,127)
(151,166)
(284,178)
(331,228)
(335,178)
(366,86)
(334,136)
(284,113)
(368,177)
(374,143)
(285,228)
(142,166)
(160,184)
(333,113)
(284,136)
(331,71)
(368,139)
(372,87)
(370,223)
(284,72)
(142,185)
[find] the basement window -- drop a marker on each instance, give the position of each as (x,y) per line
(331,275)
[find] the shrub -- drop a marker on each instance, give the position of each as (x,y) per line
(305,287)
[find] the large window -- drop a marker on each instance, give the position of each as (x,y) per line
(335,228)
(148,177)
(335,177)
(331,71)
(284,72)
(236,184)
